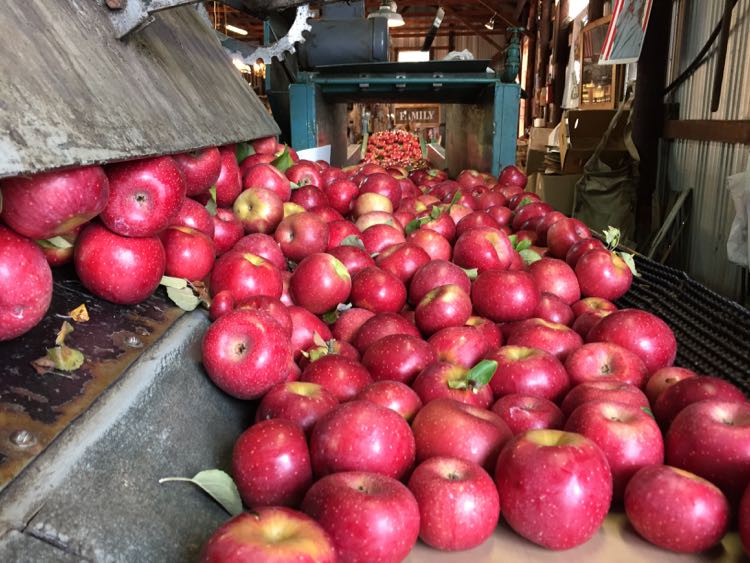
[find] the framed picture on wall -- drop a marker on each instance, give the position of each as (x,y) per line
(601,85)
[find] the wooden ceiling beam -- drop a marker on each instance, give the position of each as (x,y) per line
(477,30)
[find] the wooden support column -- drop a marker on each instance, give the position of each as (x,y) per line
(543,52)
(530,66)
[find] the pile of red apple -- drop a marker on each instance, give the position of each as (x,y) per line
(425,355)
(394,148)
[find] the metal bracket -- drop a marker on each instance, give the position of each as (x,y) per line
(137,14)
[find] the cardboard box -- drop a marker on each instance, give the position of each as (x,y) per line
(558,190)
(537,148)
(580,133)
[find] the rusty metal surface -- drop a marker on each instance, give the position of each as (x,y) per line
(35,408)
(72,93)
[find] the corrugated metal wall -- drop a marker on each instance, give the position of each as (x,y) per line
(704,166)
(478,46)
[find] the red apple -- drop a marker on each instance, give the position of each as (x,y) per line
(245,275)
(371,202)
(559,340)
(491,199)
(227,230)
(553,309)
(273,307)
(640,332)
(531,211)
(189,253)
(377,290)
(59,253)
(675,509)
(346,326)
(339,231)
(504,296)
(328,215)
(489,331)
(382,184)
(556,277)
(664,378)
(610,391)
(341,194)
(309,197)
(301,234)
(585,322)
(546,222)
(267,177)
(272,534)
(353,258)
(470,178)
(120,269)
(484,249)
(528,371)
(362,436)
(259,210)
(25,285)
(221,304)
(398,357)
(403,260)
(592,305)
(193,215)
(319,283)
(519,199)
(458,503)
(200,169)
(342,377)
(303,403)
(379,237)
(604,274)
(629,438)
(445,427)
(370,517)
(394,395)
(476,220)
(330,347)
(271,464)
(444,306)
(304,327)
(511,175)
(433,243)
(565,233)
(463,345)
(53,203)
(379,326)
(604,361)
(433,275)
(304,174)
(526,412)
(564,504)
(265,145)
(255,159)
(243,352)
(443,380)
(144,196)
(264,246)
(691,390)
(580,248)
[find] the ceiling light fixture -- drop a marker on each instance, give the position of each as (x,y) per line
(235,29)
(491,24)
(388,11)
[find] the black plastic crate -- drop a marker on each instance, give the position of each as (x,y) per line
(713,333)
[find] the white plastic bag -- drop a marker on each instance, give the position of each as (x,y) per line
(464,55)
(738,243)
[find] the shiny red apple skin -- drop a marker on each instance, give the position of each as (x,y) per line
(382,184)
(370,517)
(532,211)
(319,283)
(557,339)
(398,357)
(349,322)
(378,290)
(691,390)
(511,175)
(379,237)
(461,345)
(25,284)
(309,197)
(711,438)
(434,274)
(586,321)
(640,332)
(221,304)
(543,226)
(528,371)
(362,436)
(443,307)
(556,277)
(227,230)
(403,260)
(265,176)
(676,510)
(342,377)
(610,391)
(604,274)
(144,196)
(189,253)
(434,244)
(245,353)
(304,326)
(301,234)
(271,464)
(554,310)
(341,194)
(604,361)
(503,296)
(264,246)
(433,383)
(592,305)
(301,402)
(484,249)
(57,256)
(195,216)
(123,270)
(527,412)
(489,331)
(379,326)
(458,503)
(628,436)
(272,306)
(664,378)
(304,174)
(394,395)
(564,234)
(555,487)
(355,259)
(272,534)
(200,169)
(340,230)
(259,210)
(445,427)
(245,275)
(580,248)
(53,203)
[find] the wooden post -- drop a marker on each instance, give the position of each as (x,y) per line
(543,52)
(530,66)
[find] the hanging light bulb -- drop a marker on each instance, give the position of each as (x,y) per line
(491,24)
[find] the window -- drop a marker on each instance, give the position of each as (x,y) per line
(413,56)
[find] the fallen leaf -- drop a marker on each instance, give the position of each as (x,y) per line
(80,314)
